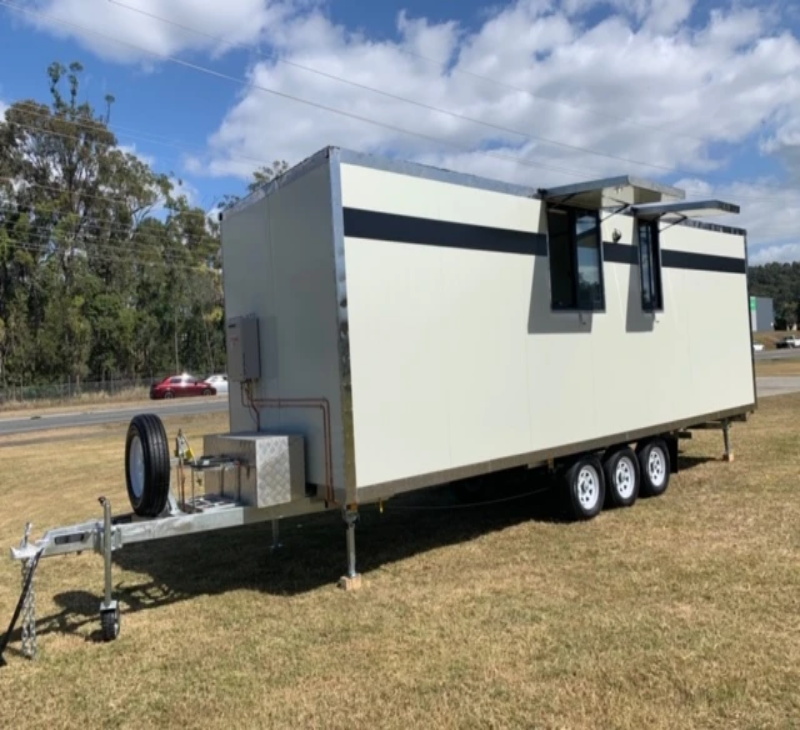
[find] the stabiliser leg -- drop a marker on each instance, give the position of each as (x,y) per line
(109,608)
(726,435)
(351,581)
(276,536)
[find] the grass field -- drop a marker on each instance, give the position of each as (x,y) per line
(777,367)
(682,612)
(9,409)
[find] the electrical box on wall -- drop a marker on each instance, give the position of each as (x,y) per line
(244,351)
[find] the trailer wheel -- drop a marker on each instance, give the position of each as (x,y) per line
(654,463)
(585,485)
(110,624)
(147,465)
(623,477)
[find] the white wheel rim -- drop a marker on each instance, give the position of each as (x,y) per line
(624,478)
(136,467)
(588,487)
(656,467)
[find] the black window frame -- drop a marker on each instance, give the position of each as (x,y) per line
(573,213)
(655,284)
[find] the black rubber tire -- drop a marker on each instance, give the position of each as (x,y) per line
(207,391)
(110,624)
(651,486)
(610,463)
(150,431)
(169,394)
(570,482)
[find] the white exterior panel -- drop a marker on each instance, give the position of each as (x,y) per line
(439,353)
(278,265)
(457,358)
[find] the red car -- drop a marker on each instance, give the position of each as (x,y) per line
(179,386)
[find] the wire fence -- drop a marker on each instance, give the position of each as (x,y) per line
(71,390)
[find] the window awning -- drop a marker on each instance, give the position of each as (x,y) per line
(681,210)
(612,192)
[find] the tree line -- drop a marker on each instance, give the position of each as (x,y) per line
(107,271)
(781,282)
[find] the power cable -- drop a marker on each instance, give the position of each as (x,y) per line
(291,97)
(397,97)
(66,135)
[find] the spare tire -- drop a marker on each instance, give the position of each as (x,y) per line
(147,465)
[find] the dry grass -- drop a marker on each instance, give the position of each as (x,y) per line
(780,367)
(11,408)
(682,612)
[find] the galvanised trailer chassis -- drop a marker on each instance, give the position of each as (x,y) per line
(193,515)
(104,536)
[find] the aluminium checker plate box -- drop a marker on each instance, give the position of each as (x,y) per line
(271,470)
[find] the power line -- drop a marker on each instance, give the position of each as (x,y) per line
(134,134)
(396,97)
(284,95)
(133,238)
(40,247)
(11,206)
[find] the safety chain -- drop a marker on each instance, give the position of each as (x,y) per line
(28,624)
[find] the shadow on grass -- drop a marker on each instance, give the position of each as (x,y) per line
(686,462)
(312,553)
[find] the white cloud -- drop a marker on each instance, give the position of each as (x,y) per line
(778,253)
(769,213)
(632,94)
(655,15)
(658,95)
(3,108)
(140,30)
(130,149)
(181,186)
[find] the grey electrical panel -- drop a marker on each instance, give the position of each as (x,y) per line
(244,351)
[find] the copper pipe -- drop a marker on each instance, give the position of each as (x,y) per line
(324,405)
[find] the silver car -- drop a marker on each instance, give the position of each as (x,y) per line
(219,381)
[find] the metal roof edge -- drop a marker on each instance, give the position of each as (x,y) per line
(618,181)
(430,172)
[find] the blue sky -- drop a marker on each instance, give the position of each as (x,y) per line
(703,94)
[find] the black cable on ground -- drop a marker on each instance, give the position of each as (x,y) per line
(415,507)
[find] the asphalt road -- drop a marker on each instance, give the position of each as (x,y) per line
(766,386)
(790,354)
(777,385)
(71,418)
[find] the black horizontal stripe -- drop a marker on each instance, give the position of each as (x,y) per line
(702,262)
(619,253)
(426,231)
(379,226)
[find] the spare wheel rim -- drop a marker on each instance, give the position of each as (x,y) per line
(588,487)
(136,467)
(624,478)
(656,467)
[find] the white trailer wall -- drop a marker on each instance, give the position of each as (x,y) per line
(279,264)
(457,359)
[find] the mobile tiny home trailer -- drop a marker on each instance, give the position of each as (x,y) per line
(459,326)
(392,327)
